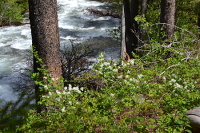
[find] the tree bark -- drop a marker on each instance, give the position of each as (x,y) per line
(143,7)
(143,12)
(167,16)
(127,15)
(123,43)
(130,10)
(199,22)
(45,38)
(134,25)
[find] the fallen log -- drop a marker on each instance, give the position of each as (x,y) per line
(104,13)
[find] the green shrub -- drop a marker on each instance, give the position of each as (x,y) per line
(135,97)
(149,93)
(11,11)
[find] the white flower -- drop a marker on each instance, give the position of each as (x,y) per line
(186,87)
(70,103)
(101,55)
(178,85)
(127,76)
(50,93)
(123,63)
(100,59)
(192,86)
(101,66)
(164,78)
(70,87)
(140,76)
(174,75)
(57,99)
(58,92)
(81,89)
(115,70)
(45,87)
(64,92)
(134,80)
(125,81)
(110,67)
(132,62)
(112,95)
(54,79)
(77,89)
(106,63)
(120,76)
(172,80)
(63,109)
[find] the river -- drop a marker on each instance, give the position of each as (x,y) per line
(75,23)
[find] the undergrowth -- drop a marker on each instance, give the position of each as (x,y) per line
(149,93)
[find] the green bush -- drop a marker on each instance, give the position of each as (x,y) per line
(149,93)
(144,95)
(12,11)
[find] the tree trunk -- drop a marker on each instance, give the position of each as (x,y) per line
(143,12)
(143,7)
(127,15)
(167,16)
(45,38)
(123,43)
(134,25)
(199,22)
(131,26)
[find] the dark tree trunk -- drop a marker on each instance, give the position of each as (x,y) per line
(143,7)
(199,22)
(143,12)
(167,16)
(134,25)
(45,38)
(127,15)
(130,11)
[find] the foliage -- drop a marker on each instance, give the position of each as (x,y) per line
(13,114)
(11,11)
(150,93)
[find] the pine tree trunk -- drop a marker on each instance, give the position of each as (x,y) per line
(123,43)
(168,11)
(127,15)
(130,10)
(143,12)
(199,22)
(143,7)
(45,37)
(134,25)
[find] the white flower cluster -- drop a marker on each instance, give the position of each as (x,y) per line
(61,95)
(181,84)
(70,88)
(66,91)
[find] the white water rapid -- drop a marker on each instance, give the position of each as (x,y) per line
(75,22)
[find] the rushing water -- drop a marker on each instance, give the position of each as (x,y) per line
(75,22)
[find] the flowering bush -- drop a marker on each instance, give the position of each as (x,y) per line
(150,93)
(135,97)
